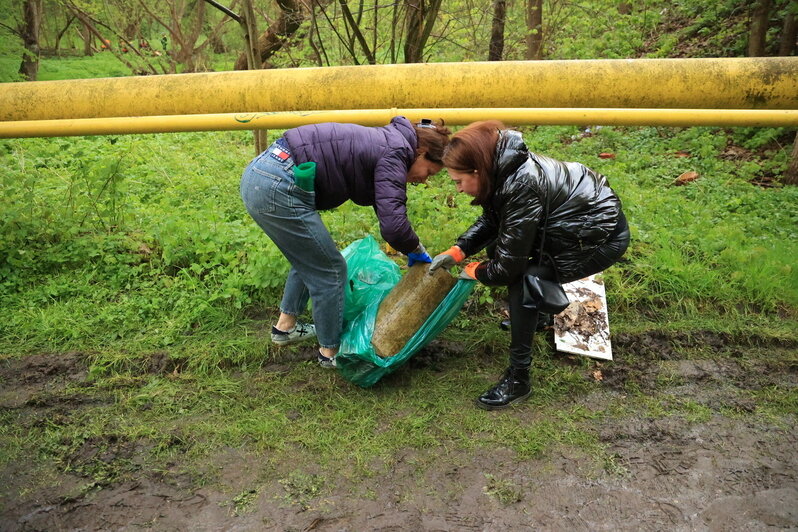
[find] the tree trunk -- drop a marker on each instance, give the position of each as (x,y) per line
(319,49)
(278,33)
(30,36)
(250,27)
(394,26)
(88,37)
(132,31)
(534,28)
(496,47)
(759,28)
(791,175)
(420,19)
(187,52)
(414,17)
(217,44)
(788,34)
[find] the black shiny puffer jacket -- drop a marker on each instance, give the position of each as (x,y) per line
(583,211)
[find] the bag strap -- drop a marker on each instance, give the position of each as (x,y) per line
(543,238)
(545,226)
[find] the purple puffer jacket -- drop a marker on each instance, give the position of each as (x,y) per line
(367,165)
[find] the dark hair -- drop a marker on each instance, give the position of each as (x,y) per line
(434,137)
(472,149)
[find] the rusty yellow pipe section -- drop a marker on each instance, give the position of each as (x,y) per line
(377,117)
(725,83)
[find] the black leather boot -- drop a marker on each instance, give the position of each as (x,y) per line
(512,388)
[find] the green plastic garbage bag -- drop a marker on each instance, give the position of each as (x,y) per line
(371,276)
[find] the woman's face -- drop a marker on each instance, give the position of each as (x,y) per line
(421,169)
(466,182)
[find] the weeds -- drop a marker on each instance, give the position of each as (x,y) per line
(503,491)
(137,251)
(301,488)
(242,502)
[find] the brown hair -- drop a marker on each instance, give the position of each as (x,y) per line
(472,150)
(434,137)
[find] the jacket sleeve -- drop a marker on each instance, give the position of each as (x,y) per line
(519,218)
(481,233)
(390,203)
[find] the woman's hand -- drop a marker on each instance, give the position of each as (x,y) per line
(418,255)
(469,273)
(448,259)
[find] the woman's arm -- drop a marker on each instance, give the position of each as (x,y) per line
(481,233)
(519,218)
(390,203)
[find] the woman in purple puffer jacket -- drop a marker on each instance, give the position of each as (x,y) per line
(368,165)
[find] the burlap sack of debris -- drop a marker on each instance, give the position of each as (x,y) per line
(408,306)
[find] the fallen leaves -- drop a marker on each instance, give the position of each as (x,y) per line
(606,155)
(584,318)
(685,178)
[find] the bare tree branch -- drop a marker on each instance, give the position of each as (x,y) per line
(91,26)
(358,34)
(89,23)
(340,38)
(15,31)
(230,13)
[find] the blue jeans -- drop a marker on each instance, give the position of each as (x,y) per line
(288,215)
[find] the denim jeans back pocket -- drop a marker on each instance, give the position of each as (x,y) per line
(258,190)
(303,199)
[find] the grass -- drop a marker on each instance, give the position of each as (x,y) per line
(502,490)
(136,252)
(171,267)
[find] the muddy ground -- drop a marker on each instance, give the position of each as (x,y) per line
(727,472)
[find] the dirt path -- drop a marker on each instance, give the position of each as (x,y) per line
(725,472)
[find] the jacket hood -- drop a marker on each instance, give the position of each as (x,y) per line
(407,130)
(511,153)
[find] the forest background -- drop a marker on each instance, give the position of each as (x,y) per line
(134,257)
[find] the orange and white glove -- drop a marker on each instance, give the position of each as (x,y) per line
(447,259)
(469,273)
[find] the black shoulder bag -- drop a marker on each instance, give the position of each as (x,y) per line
(540,294)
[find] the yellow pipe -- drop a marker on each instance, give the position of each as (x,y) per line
(376,117)
(726,83)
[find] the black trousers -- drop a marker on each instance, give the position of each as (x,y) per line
(523,321)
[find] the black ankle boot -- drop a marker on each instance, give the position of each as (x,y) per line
(512,388)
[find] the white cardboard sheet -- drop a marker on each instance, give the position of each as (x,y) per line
(584,328)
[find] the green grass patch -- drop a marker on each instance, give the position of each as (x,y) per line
(137,252)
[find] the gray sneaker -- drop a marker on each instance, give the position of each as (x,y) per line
(326,362)
(300,333)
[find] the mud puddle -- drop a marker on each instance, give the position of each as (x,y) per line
(729,469)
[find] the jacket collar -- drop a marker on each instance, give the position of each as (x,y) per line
(511,152)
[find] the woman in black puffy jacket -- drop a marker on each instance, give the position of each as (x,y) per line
(518,190)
